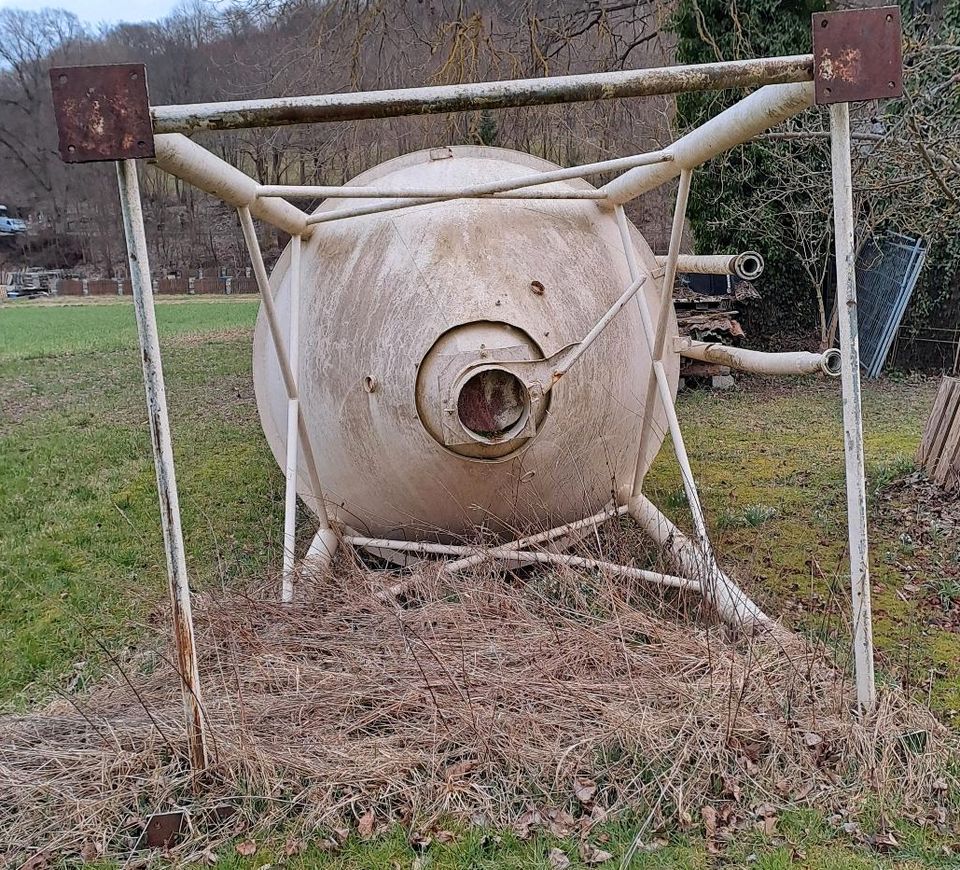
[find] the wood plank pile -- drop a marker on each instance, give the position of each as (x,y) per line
(939,453)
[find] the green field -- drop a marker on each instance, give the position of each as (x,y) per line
(48,329)
(82,566)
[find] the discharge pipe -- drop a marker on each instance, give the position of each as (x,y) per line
(748,265)
(759,362)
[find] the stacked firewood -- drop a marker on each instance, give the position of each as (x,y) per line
(939,453)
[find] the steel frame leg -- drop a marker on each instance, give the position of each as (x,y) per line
(852,416)
(730,601)
(325,542)
(293,416)
(156,394)
(666,302)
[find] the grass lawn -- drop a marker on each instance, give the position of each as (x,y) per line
(82,566)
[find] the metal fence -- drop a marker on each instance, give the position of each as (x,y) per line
(887,272)
(54,284)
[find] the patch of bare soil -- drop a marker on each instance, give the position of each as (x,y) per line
(19,402)
(552,702)
(199,339)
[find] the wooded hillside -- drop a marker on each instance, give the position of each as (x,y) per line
(255,49)
(772,195)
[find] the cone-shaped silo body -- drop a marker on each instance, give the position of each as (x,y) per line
(395,305)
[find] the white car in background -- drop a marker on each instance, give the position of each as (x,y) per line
(11,226)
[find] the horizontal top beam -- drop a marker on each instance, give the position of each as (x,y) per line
(283,111)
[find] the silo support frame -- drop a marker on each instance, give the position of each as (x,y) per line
(293,432)
(325,542)
(522,187)
(156,395)
(754,114)
(786,89)
(694,558)
(473,96)
(856,480)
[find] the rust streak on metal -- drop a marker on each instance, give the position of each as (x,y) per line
(102,112)
(857,55)
(483,95)
(155,394)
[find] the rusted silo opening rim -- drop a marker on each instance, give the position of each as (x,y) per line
(493,404)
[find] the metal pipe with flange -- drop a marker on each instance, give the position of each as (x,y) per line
(759,362)
(747,265)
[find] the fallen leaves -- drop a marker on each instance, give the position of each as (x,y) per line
(883,841)
(90,852)
(561,824)
(246,848)
(529,820)
(767,819)
(709,816)
(293,847)
(591,854)
(584,790)
(460,770)
(720,825)
(366,826)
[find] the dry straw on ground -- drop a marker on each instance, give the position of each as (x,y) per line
(481,697)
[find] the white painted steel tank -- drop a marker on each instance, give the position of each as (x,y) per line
(395,305)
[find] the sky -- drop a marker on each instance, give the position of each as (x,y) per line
(95,12)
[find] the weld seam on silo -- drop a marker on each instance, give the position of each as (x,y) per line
(719,264)
(185,159)
(761,110)
(761,362)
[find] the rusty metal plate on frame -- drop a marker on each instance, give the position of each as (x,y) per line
(103,112)
(857,55)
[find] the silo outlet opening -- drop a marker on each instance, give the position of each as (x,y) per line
(493,405)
